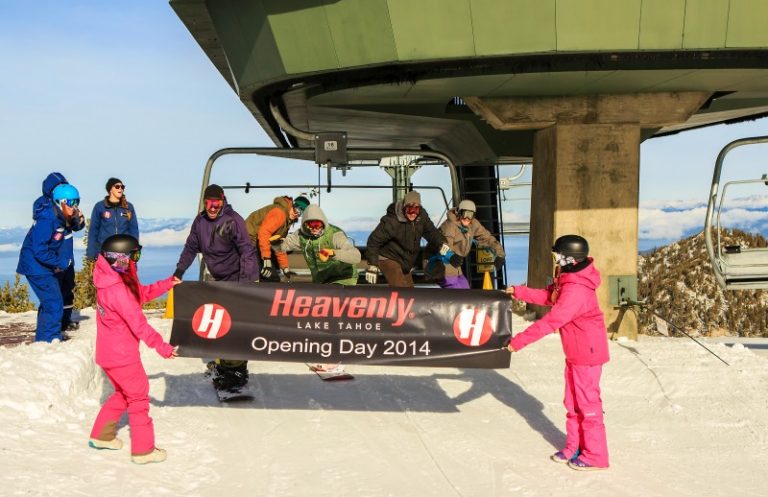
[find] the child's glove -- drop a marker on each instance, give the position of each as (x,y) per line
(444,249)
(326,254)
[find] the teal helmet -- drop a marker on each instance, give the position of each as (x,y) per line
(66,192)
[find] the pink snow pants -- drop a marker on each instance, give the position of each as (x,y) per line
(132,395)
(584,415)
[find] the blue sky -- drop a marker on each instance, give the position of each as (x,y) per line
(97,89)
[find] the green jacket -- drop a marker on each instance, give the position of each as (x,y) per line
(342,267)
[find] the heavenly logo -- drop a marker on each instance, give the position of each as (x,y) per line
(394,307)
(472,327)
(211,321)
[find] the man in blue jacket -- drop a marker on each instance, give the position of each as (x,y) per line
(46,257)
(66,278)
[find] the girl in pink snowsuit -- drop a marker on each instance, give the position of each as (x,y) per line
(120,324)
(576,313)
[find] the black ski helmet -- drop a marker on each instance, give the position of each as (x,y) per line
(122,244)
(572,246)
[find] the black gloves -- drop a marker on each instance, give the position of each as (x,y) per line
(499,263)
(456,260)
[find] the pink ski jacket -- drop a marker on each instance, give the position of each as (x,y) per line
(576,314)
(120,322)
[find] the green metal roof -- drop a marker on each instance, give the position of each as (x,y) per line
(386,70)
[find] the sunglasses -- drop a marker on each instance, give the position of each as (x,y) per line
(213,204)
(71,202)
(118,187)
(314,224)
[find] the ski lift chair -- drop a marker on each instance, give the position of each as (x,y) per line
(735,267)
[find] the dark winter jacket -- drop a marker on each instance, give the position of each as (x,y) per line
(225,246)
(109,219)
(398,239)
(48,246)
(576,313)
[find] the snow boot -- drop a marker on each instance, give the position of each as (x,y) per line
(114,444)
(225,378)
(157,455)
(580,465)
(559,456)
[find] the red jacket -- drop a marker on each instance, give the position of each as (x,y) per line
(576,314)
(120,322)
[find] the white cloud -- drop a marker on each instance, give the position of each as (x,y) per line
(659,224)
(10,247)
(164,238)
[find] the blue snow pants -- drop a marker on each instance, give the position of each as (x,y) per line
(67,289)
(51,308)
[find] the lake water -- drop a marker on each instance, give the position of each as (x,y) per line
(160,262)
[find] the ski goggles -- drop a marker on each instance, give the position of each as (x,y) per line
(562,260)
(70,202)
(412,209)
(136,254)
(465,214)
(212,204)
(314,224)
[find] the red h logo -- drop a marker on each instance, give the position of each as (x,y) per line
(472,327)
(211,321)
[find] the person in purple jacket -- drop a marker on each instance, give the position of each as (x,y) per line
(219,233)
(576,313)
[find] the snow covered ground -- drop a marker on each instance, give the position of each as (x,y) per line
(680,423)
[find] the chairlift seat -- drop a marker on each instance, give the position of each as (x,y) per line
(747,269)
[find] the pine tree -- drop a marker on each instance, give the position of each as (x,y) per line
(15,298)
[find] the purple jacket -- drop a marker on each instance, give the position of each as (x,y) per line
(120,322)
(225,245)
(576,313)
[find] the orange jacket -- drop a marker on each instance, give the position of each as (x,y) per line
(267,222)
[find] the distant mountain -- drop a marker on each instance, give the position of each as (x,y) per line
(678,283)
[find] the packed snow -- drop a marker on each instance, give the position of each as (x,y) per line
(679,422)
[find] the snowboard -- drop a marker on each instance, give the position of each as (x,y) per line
(234,394)
(334,375)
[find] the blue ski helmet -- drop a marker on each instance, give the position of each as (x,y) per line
(66,192)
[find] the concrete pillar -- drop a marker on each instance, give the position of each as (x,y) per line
(586,164)
(586,182)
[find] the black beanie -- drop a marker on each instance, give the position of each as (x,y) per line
(214,191)
(112,182)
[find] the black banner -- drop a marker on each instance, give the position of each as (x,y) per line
(331,323)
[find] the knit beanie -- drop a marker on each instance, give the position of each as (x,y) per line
(112,182)
(300,202)
(214,192)
(412,197)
